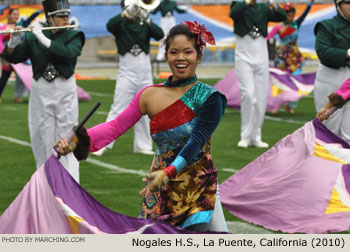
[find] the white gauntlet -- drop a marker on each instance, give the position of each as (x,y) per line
(40,36)
(15,39)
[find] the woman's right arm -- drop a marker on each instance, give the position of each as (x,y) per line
(105,133)
(337,99)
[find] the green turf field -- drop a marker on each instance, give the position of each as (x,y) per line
(112,186)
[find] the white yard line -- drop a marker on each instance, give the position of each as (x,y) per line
(230,170)
(239,227)
(101,113)
(100,94)
(277,119)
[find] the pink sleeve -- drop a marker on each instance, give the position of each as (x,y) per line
(274,31)
(344,90)
(105,133)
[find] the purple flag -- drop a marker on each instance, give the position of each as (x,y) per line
(284,87)
(301,184)
(52,202)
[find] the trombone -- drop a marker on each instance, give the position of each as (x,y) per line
(7,31)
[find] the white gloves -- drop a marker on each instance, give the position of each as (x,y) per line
(36,29)
(131,11)
(15,39)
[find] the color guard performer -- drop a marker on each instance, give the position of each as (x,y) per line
(53,103)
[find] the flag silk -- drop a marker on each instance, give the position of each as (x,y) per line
(284,87)
(301,184)
(53,203)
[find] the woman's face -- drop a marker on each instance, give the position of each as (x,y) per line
(182,57)
(13,17)
(290,17)
(345,8)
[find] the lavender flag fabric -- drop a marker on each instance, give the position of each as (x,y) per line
(52,202)
(284,87)
(302,184)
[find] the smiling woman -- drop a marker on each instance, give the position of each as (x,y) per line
(182,186)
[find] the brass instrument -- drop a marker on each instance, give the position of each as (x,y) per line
(144,8)
(44,28)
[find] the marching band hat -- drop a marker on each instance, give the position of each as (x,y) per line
(58,8)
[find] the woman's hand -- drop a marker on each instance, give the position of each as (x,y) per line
(322,115)
(63,147)
(155,182)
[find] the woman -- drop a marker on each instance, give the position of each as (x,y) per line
(53,103)
(182,186)
(6,66)
(289,57)
(337,99)
(333,49)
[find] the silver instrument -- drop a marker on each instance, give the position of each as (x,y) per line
(144,7)
(44,28)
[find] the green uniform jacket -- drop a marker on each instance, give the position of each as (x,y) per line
(167,6)
(332,41)
(128,33)
(65,47)
(246,16)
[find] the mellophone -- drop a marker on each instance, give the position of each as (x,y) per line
(6,31)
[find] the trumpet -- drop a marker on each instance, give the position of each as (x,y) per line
(7,31)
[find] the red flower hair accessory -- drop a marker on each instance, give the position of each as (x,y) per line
(205,35)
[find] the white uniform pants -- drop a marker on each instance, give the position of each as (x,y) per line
(328,80)
(252,68)
(53,111)
(134,74)
(166,23)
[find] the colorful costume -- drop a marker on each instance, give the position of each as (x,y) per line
(181,132)
(252,63)
(289,57)
(166,8)
(332,43)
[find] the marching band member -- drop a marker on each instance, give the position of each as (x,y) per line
(53,103)
(252,64)
(135,71)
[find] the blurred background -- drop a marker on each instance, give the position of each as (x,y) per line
(92,16)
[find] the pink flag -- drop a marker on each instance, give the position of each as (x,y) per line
(302,184)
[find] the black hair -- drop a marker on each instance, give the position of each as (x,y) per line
(182,29)
(292,9)
(12,10)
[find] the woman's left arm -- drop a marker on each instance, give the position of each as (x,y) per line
(306,11)
(206,122)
